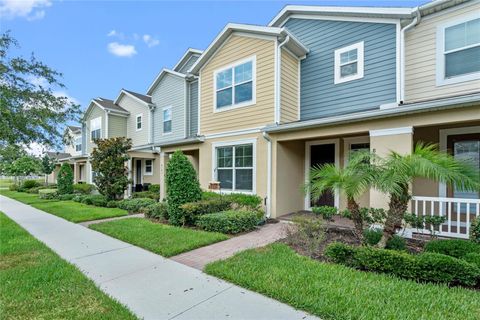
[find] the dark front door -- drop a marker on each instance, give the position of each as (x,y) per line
(320,155)
(138,175)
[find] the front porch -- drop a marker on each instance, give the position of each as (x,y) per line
(143,171)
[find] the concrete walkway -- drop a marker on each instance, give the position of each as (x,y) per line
(200,257)
(151,286)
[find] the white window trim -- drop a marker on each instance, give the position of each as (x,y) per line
(347,143)
(163,120)
(360,63)
(253,59)
(91,121)
(440,54)
(140,115)
(145,173)
(216,145)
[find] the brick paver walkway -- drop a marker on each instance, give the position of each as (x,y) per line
(198,258)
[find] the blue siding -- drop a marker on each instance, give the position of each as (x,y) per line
(320,97)
(193,119)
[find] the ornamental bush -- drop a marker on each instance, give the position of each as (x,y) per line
(65,197)
(192,210)
(154,188)
(372,236)
(453,247)
(95,200)
(248,201)
(65,179)
(48,194)
(475,231)
(83,188)
(28,184)
(473,258)
(229,221)
(156,211)
(340,253)
(135,205)
(182,187)
(146,194)
(327,212)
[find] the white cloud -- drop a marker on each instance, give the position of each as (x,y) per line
(150,41)
(121,50)
(35,149)
(38,82)
(66,95)
(29,9)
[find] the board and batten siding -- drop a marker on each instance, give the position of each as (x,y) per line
(193,108)
(135,108)
(117,126)
(261,113)
(289,87)
(169,92)
(95,112)
(190,62)
(320,97)
(421,61)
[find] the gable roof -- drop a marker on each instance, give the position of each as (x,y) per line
(144,99)
(75,129)
(161,75)
(186,56)
(105,105)
(293,44)
(58,155)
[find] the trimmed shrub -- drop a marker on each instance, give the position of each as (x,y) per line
(396,243)
(156,211)
(326,212)
(455,247)
(146,194)
(13,187)
(78,198)
(135,205)
(372,236)
(154,188)
(112,204)
(340,253)
(229,221)
(35,190)
(47,193)
(473,258)
(393,262)
(65,179)
(475,230)
(95,200)
(28,184)
(182,186)
(192,210)
(65,197)
(83,188)
(249,201)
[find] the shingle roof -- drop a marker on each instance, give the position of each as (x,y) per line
(58,155)
(140,96)
(108,104)
(75,129)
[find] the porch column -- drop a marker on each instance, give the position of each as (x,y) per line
(163,170)
(75,172)
(129,169)
(382,142)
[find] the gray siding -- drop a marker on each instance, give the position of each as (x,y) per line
(169,92)
(95,112)
(320,97)
(117,126)
(193,108)
(188,64)
(135,108)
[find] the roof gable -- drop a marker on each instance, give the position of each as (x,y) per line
(161,75)
(188,55)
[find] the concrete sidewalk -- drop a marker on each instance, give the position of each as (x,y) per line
(151,286)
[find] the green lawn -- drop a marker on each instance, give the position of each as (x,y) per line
(336,292)
(69,210)
(37,284)
(156,237)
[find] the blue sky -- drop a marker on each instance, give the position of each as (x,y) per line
(102,46)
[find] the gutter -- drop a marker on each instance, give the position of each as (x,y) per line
(268,203)
(199,139)
(412,24)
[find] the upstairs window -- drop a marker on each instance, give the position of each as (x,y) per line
(138,122)
(78,144)
(234,86)
(460,51)
(167,120)
(96,128)
(349,63)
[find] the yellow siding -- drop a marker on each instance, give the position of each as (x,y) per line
(259,114)
(420,60)
(289,88)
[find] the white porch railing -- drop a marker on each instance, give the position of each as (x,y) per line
(459,214)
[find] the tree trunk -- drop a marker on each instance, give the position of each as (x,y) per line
(398,205)
(354,209)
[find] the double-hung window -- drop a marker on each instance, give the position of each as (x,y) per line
(138,122)
(235,167)
(234,86)
(96,128)
(349,63)
(167,120)
(458,51)
(148,167)
(78,144)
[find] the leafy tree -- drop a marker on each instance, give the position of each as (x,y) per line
(397,172)
(48,165)
(108,162)
(182,186)
(65,179)
(353,180)
(25,166)
(29,109)
(8,154)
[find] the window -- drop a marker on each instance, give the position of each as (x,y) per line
(459,51)
(78,144)
(167,120)
(96,128)
(234,86)
(138,124)
(349,63)
(234,167)
(148,167)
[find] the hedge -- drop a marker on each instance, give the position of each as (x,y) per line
(251,202)
(455,247)
(83,188)
(135,205)
(373,236)
(47,193)
(156,211)
(192,210)
(146,194)
(229,221)
(28,184)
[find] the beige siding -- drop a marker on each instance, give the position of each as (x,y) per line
(117,126)
(95,112)
(234,49)
(135,108)
(289,88)
(420,60)
(70,148)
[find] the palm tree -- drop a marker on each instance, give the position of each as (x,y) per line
(397,172)
(353,180)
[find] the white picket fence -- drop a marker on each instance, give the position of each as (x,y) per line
(459,214)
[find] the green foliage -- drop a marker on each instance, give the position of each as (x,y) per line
(97,200)
(83,188)
(108,161)
(475,230)
(230,222)
(431,223)
(24,166)
(65,179)
(154,188)
(340,253)
(326,212)
(157,211)
(13,187)
(240,200)
(182,186)
(28,184)
(396,243)
(400,264)
(146,194)
(306,233)
(135,205)
(372,236)
(473,258)
(8,155)
(112,204)
(36,189)
(47,166)
(192,210)
(453,247)
(78,198)
(64,197)
(48,194)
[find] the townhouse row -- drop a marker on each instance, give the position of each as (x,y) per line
(263,104)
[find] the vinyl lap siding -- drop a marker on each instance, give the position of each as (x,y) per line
(117,126)
(193,108)
(95,112)
(289,88)
(320,97)
(188,64)
(134,107)
(169,92)
(260,114)
(420,60)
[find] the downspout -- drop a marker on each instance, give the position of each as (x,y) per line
(278,82)
(150,128)
(268,204)
(106,123)
(412,24)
